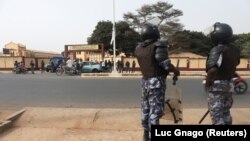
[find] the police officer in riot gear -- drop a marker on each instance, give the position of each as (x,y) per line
(152,56)
(220,67)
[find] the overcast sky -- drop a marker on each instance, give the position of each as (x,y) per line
(50,24)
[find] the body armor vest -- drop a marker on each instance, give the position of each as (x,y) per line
(231,58)
(148,64)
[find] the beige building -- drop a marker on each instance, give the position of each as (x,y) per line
(41,54)
(86,52)
(17,49)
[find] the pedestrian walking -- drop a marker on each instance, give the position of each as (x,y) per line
(133,66)
(32,66)
(42,66)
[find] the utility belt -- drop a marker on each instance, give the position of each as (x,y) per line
(221,81)
(154,82)
(222,86)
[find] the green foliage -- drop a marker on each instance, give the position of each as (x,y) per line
(102,34)
(200,44)
(178,39)
(163,11)
(195,42)
(126,37)
(245,50)
(243,40)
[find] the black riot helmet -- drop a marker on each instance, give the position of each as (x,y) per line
(221,33)
(149,32)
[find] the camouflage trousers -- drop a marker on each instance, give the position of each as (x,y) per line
(152,101)
(220,101)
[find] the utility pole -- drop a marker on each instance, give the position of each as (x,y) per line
(114,41)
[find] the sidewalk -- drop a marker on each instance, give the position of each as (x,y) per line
(183,74)
(75,124)
(138,74)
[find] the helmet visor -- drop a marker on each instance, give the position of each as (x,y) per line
(208,30)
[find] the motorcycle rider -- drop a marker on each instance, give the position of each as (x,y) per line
(75,66)
(69,64)
(220,67)
(22,66)
(152,56)
(15,69)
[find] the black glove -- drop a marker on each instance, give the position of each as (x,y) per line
(177,72)
(175,78)
(208,84)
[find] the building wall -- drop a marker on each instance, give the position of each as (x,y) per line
(7,62)
(39,60)
(94,56)
(81,55)
(17,49)
(244,63)
(37,54)
(130,60)
(85,52)
(86,56)
(186,63)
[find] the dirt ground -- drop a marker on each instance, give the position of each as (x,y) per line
(7,111)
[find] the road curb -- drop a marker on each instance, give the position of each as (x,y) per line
(118,75)
(8,122)
(5,125)
(126,75)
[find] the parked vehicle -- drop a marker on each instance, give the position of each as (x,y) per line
(240,85)
(54,63)
(91,67)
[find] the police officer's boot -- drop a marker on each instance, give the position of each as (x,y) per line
(145,136)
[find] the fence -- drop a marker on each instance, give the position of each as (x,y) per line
(185,63)
(7,62)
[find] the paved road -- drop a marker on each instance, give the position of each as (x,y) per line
(49,90)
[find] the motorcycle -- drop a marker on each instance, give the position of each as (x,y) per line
(20,70)
(69,71)
(240,84)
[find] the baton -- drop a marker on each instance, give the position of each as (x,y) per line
(204,116)
(175,78)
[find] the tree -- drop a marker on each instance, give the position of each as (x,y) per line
(245,50)
(102,34)
(200,44)
(126,37)
(243,40)
(161,11)
(195,42)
